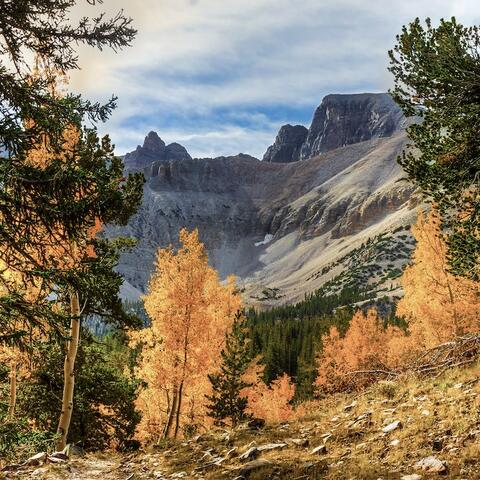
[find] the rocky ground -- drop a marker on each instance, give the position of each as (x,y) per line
(410,430)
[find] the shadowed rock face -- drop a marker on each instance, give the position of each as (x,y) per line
(346,119)
(287,145)
(274,222)
(153,150)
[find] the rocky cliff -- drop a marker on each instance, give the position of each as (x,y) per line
(346,119)
(288,145)
(277,224)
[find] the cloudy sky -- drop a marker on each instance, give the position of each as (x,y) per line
(221,76)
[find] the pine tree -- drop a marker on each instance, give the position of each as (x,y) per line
(436,71)
(53,188)
(227,403)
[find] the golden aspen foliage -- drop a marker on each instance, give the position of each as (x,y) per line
(366,345)
(272,402)
(190,310)
(437,305)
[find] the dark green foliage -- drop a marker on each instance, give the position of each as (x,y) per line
(288,337)
(76,189)
(226,401)
(437,77)
(17,438)
(104,400)
(43,28)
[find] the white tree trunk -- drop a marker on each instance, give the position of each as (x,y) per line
(69,373)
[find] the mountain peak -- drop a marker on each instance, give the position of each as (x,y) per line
(288,144)
(344,119)
(153,143)
(152,152)
(341,119)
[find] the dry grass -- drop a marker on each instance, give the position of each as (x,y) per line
(439,416)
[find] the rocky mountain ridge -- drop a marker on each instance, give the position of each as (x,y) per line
(339,120)
(277,224)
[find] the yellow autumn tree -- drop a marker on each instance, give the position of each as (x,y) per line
(190,310)
(271,403)
(367,345)
(437,305)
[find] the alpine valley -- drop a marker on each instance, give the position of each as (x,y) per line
(326,207)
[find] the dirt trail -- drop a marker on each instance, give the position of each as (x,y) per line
(90,467)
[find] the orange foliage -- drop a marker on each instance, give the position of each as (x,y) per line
(190,311)
(271,403)
(437,304)
(367,345)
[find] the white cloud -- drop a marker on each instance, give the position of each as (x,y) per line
(193,58)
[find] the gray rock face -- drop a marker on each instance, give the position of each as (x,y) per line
(287,145)
(347,119)
(152,153)
(268,222)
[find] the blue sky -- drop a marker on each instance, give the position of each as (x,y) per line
(221,76)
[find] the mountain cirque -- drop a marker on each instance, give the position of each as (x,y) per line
(280,225)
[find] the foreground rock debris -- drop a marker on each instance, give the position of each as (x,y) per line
(371,435)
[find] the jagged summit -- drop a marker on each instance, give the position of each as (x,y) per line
(339,120)
(347,119)
(153,144)
(152,151)
(287,145)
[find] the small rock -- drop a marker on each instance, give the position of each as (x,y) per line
(39,471)
(437,444)
(56,460)
(431,465)
(299,442)
(271,446)
(414,476)
(253,465)
(395,442)
(325,437)
(320,450)
(36,459)
(349,407)
(392,426)
(179,475)
(251,453)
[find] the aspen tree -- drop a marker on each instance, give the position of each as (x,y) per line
(190,310)
(437,304)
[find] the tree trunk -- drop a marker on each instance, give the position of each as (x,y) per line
(179,407)
(13,390)
(168,425)
(69,373)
